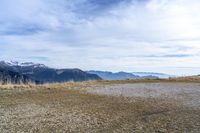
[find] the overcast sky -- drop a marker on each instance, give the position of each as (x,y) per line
(115,35)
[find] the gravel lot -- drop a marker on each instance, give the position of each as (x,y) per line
(91,108)
(189,93)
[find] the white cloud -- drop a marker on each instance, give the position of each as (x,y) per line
(155,35)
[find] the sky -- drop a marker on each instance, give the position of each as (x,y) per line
(111,35)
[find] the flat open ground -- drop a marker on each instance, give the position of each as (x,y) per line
(101,107)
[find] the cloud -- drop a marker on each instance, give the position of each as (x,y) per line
(41,58)
(22,30)
(137,35)
(169,56)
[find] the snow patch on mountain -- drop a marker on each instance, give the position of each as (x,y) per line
(23,64)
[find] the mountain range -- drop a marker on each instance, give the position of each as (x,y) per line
(146,74)
(114,76)
(125,75)
(39,73)
(10,77)
(28,72)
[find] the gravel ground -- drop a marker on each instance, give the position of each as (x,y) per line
(189,93)
(113,108)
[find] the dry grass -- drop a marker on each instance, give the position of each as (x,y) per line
(73,85)
(66,108)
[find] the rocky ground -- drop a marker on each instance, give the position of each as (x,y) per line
(132,107)
(185,93)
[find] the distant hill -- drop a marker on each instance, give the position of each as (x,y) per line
(59,75)
(45,74)
(114,76)
(149,74)
(125,75)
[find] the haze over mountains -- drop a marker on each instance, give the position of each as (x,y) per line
(114,76)
(146,74)
(125,75)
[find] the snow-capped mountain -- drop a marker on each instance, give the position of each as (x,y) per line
(42,73)
(23,64)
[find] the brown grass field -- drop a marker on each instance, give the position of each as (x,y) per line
(74,107)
